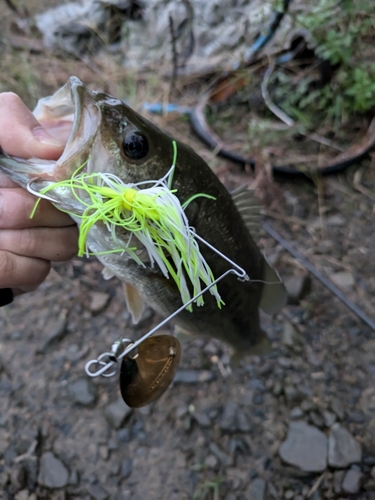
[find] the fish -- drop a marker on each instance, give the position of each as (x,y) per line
(106,135)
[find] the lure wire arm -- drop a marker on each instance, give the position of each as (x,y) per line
(36,193)
(115,356)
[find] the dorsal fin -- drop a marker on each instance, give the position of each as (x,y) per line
(273,292)
(249,209)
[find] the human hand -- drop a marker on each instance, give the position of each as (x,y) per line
(27,246)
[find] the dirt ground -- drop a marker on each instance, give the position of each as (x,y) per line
(216,433)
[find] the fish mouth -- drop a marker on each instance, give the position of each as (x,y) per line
(71,113)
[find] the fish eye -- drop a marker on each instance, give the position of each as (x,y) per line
(135,145)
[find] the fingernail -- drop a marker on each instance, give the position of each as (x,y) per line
(45,138)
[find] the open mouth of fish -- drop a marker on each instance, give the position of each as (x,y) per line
(71,115)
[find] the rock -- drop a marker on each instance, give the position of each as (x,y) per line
(56,332)
(97,492)
(98,301)
(343,449)
(305,447)
(291,394)
(73,478)
(335,220)
(289,494)
(193,376)
(352,481)
(52,472)
(369,486)
(256,490)
(338,408)
(202,419)
(297,288)
(116,413)
(316,419)
(228,420)
(4,478)
(22,495)
(296,413)
(126,467)
(343,279)
(211,461)
(372,473)
(291,336)
(82,391)
(329,418)
(223,457)
(18,476)
(338,478)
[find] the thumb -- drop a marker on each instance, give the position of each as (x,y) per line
(21,134)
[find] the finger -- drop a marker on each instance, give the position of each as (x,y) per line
(5,182)
(16,206)
(53,244)
(18,271)
(21,134)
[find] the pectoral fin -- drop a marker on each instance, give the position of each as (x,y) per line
(134,302)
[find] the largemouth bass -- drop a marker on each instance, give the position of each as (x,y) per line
(106,135)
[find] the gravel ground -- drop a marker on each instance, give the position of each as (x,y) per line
(297,424)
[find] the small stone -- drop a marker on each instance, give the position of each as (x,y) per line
(223,457)
(329,418)
(116,413)
(277,388)
(211,461)
(343,449)
(288,494)
(97,492)
(338,408)
(372,473)
(73,478)
(291,337)
(338,478)
(256,490)
(297,288)
(124,435)
(18,476)
(228,420)
(82,391)
(335,220)
(296,413)
(343,279)
(56,332)
(52,472)
(369,486)
(352,481)
(307,405)
(22,495)
(4,478)
(316,419)
(202,419)
(243,422)
(305,447)
(126,467)
(103,452)
(98,301)
(193,376)
(291,394)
